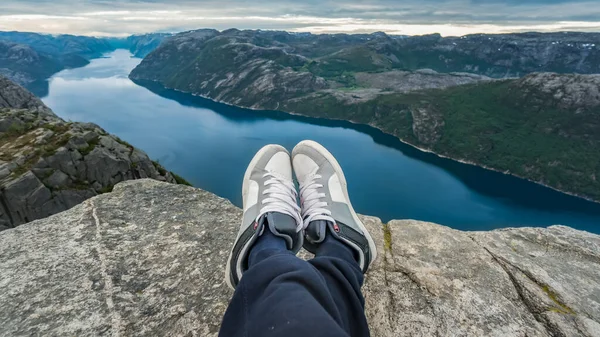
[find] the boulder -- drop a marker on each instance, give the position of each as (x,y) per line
(58,179)
(61,160)
(27,199)
(148,258)
(77,143)
(103,164)
(71,198)
(14,96)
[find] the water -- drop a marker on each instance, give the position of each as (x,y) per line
(210,145)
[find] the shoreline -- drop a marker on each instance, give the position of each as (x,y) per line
(462,161)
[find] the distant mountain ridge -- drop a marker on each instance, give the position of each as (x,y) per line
(139,45)
(31,58)
(457,96)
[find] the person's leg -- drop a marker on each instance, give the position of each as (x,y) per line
(279,294)
(336,262)
(282,295)
(333,231)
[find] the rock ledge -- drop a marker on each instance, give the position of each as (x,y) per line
(146,260)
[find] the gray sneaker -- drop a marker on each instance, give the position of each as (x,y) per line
(326,207)
(270,201)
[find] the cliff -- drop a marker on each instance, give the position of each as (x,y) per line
(48,165)
(147,260)
(142,45)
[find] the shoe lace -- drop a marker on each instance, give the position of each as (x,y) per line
(281,197)
(314,207)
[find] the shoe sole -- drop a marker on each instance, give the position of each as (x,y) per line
(338,169)
(257,157)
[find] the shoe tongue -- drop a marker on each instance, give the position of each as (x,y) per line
(280,221)
(316,230)
(282,225)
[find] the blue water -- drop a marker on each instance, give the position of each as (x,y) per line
(210,145)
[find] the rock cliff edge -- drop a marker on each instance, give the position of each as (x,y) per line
(147,259)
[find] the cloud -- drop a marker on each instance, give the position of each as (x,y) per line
(448,17)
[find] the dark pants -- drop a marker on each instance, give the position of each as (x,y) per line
(283,295)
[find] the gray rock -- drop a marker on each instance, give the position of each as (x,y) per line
(8,166)
(148,258)
(97,186)
(72,198)
(143,165)
(76,156)
(58,179)
(27,199)
(407,81)
(574,91)
(4,172)
(7,124)
(89,136)
(44,136)
(77,143)
(14,96)
(61,160)
(42,163)
(42,173)
(112,144)
(427,124)
(102,165)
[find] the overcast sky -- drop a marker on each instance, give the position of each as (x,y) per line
(448,17)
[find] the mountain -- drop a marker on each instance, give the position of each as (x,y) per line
(57,45)
(544,127)
(48,165)
(142,45)
(24,65)
(30,58)
(139,45)
(157,251)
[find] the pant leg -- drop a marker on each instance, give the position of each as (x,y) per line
(337,264)
(282,295)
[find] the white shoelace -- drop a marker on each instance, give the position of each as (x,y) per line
(280,197)
(314,207)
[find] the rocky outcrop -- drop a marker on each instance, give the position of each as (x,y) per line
(13,96)
(48,165)
(147,260)
(407,81)
(575,92)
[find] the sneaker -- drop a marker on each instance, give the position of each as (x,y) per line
(270,201)
(326,207)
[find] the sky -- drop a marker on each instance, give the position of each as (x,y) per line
(405,17)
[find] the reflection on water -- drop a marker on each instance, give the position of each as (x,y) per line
(210,144)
